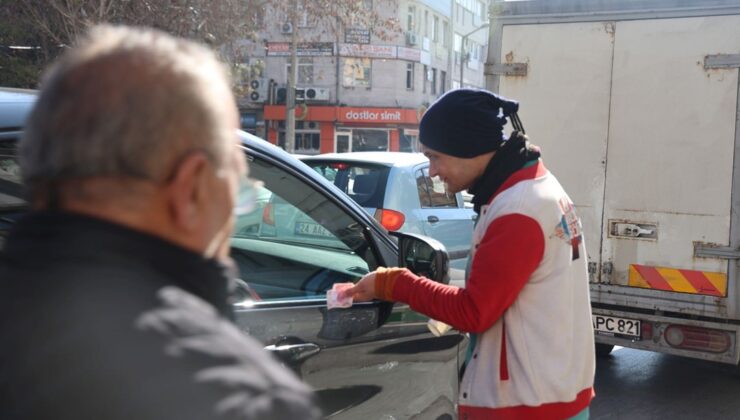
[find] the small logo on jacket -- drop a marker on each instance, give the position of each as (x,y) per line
(569,228)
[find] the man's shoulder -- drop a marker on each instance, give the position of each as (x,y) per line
(221,364)
(177,357)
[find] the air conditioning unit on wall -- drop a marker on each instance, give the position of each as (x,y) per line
(286,28)
(316,94)
(258,90)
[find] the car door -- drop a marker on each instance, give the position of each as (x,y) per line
(371,361)
(444,216)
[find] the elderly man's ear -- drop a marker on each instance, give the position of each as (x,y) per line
(187,192)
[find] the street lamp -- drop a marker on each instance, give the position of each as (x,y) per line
(462,50)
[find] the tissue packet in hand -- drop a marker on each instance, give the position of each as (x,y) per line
(438,328)
(332,296)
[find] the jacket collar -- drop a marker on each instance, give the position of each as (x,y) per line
(53,235)
(535,170)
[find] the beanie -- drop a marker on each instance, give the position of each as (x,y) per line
(467,122)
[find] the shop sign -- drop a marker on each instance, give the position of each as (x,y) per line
(357,36)
(374,115)
(304,49)
(410,54)
(370,51)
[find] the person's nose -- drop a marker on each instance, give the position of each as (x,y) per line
(433,171)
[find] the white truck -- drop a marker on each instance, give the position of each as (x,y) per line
(635,104)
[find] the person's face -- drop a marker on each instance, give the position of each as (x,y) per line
(224,190)
(459,174)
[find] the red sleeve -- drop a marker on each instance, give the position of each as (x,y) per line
(510,251)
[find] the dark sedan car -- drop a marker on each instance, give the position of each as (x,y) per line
(374,360)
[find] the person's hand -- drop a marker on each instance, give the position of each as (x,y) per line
(363,290)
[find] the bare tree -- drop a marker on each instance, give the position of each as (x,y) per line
(56,24)
(313,20)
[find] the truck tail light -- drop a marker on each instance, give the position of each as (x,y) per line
(697,338)
(646,331)
(390,219)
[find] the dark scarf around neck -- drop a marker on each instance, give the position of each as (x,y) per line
(512,156)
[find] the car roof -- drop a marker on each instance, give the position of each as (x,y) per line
(383,158)
(15,105)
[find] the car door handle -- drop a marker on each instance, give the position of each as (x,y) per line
(433,219)
(294,353)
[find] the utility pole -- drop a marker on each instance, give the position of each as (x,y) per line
(463,59)
(290,98)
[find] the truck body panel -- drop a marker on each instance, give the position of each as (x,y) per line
(635,107)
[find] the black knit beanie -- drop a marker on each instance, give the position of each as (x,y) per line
(467,122)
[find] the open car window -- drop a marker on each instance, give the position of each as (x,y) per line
(295,243)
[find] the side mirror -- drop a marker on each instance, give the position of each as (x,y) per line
(424,256)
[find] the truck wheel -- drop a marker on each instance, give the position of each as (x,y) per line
(603,350)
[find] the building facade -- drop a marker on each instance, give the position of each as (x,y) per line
(357,90)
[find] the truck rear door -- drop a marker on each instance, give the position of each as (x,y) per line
(642,134)
(565,108)
(669,173)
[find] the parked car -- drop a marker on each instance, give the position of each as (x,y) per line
(397,190)
(373,360)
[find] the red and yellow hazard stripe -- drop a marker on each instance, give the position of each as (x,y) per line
(677,280)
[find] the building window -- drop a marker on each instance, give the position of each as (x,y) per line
(361,140)
(305,71)
(457,42)
(303,17)
(356,72)
(434,81)
(410,76)
(426,23)
(443,36)
(442,81)
(409,140)
(435,29)
(365,9)
(367,140)
(307,137)
(424,79)
(410,19)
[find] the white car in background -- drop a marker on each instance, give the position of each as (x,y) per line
(397,190)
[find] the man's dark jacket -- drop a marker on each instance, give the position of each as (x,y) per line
(102,322)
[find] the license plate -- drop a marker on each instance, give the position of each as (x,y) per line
(619,327)
(312,229)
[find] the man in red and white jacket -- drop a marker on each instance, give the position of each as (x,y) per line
(526,300)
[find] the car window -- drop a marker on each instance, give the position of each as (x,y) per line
(11,201)
(364,183)
(433,191)
(296,243)
(10,174)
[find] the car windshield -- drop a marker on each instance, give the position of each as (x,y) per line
(363,182)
